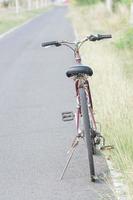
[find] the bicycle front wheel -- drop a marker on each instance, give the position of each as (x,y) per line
(87,131)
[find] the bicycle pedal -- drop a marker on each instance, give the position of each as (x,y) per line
(108,147)
(68,116)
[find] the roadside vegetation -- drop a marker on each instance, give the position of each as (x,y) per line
(10,20)
(16,12)
(112,82)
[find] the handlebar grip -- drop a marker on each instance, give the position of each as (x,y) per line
(94,38)
(55,43)
(100,37)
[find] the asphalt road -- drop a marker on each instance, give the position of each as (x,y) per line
(34,91)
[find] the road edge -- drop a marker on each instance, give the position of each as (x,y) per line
(19,26)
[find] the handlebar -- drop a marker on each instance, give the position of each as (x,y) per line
(78,44)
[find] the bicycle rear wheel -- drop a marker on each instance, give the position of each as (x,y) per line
(87,131)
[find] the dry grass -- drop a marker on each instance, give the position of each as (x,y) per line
(111,86)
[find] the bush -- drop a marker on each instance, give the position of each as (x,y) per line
(127,2)
(126,41)
(84,2)
(5,3)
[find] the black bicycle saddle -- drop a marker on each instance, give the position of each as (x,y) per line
(79,70)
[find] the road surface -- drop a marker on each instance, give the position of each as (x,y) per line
(34,91)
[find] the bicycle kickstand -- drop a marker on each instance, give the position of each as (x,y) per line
(71,151)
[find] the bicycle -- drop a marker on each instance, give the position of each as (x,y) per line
(85,111)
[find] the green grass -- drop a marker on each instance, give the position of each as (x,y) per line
(111,83)
(84,2)
(11,20)
(126,40)
(124,44)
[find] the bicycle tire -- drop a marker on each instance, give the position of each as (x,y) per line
(87,131)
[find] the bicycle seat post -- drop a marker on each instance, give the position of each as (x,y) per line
(77,55)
